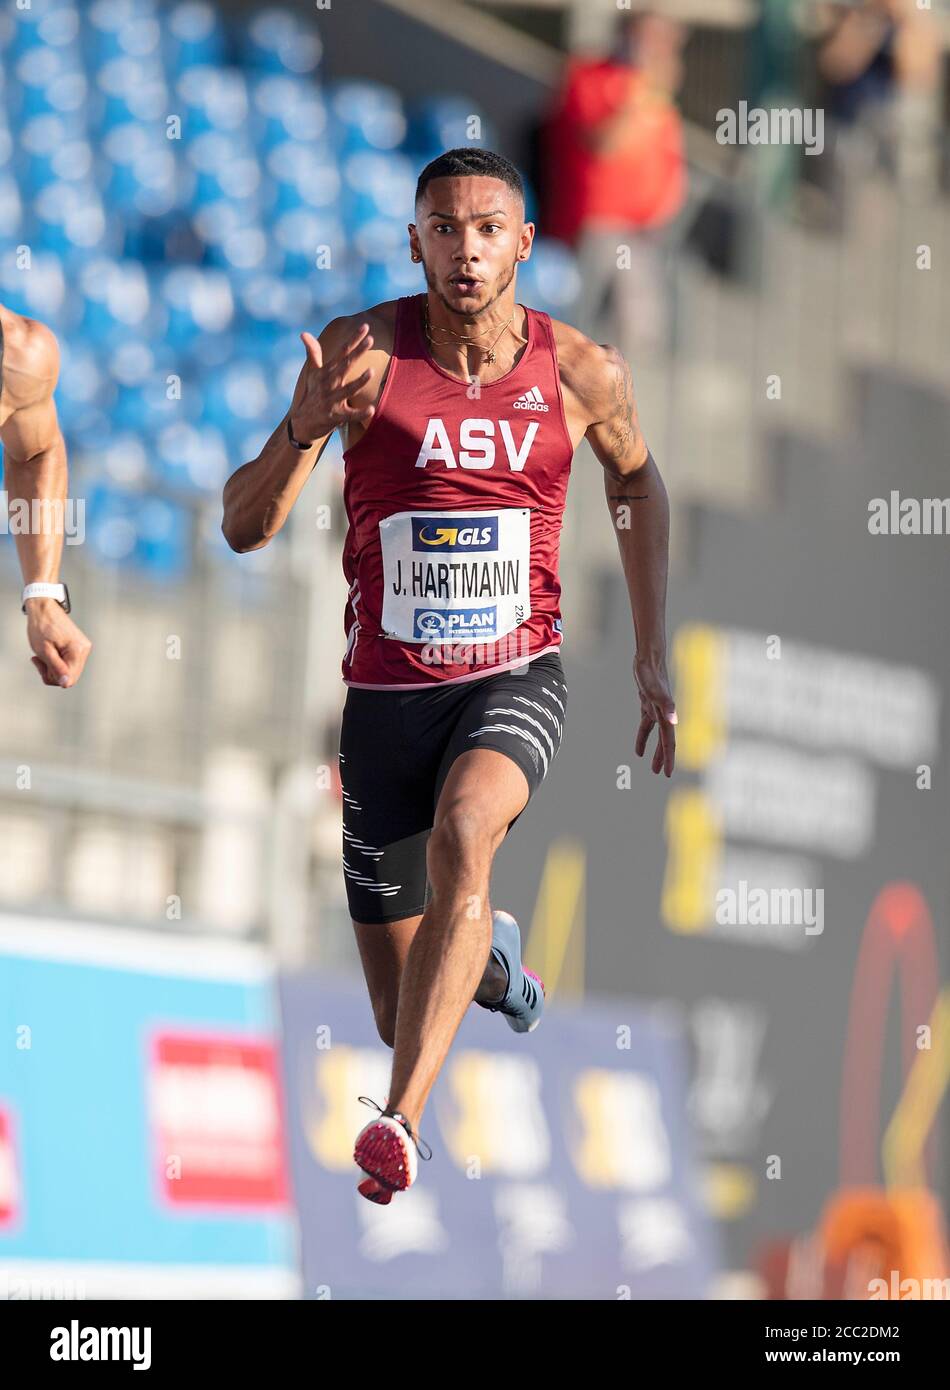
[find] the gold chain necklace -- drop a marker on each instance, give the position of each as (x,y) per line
(461,338)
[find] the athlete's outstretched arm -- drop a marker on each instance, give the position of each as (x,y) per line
(258,497)
(35,480)
(640,511)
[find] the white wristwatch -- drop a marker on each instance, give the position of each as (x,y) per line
(57,591)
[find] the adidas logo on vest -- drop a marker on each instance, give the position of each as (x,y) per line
(531,400)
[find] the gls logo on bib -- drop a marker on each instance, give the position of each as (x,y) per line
(476,444)
(438,533)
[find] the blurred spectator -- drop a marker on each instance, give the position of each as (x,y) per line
(615,176)
(881,61)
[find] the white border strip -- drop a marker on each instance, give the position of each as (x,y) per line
(131,948)
(78,1280)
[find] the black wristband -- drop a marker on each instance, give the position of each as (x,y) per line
(296,442)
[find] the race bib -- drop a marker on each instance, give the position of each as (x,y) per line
(455,576)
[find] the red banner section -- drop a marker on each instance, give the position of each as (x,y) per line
(217,1118)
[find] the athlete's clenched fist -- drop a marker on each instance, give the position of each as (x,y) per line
(59,647)
(322,399)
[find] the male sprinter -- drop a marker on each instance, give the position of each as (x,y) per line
(35,482)
(460,411)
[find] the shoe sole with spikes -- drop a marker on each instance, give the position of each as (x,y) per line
(387,1156)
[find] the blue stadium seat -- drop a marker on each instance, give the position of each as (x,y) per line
(308,242)
(279,40)
(285,357)
(70,220)
(383,239)
(150,388)
(297,176)
(391,279)
(288,108)
(12,213)
(339,292)
(139,171)
(192,459)
(40,289)
(47,80)
(445,122)
(119,29)
(194,36)
(271,304)
(233,235)
(54,25)
(376,185)
(129,89)
(83,392)
(115,301)
(48,150)
(383,245)
(196,305)
(366,116)
(144,531)
(211,99)
(248,443)
(121,461)
(237,396)
(221,165)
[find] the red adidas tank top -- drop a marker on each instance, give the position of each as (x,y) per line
(455,497)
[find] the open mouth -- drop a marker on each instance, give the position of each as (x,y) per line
(466,284)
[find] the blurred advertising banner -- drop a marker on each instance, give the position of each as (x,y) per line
(562,1163)
(142,1148)
(787,889)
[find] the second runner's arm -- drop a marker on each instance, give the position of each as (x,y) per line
(36,477)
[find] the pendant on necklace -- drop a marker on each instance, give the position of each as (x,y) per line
(490,357)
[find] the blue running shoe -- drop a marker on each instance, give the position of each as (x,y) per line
(523,1001)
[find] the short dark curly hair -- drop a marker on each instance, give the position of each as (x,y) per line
(470,162)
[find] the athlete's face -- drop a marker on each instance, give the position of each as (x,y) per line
(470,235)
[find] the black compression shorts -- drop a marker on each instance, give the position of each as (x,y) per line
(396,748)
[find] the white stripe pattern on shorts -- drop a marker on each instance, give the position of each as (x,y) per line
(542,709)
(520,714)
(364,881)
(513,729)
